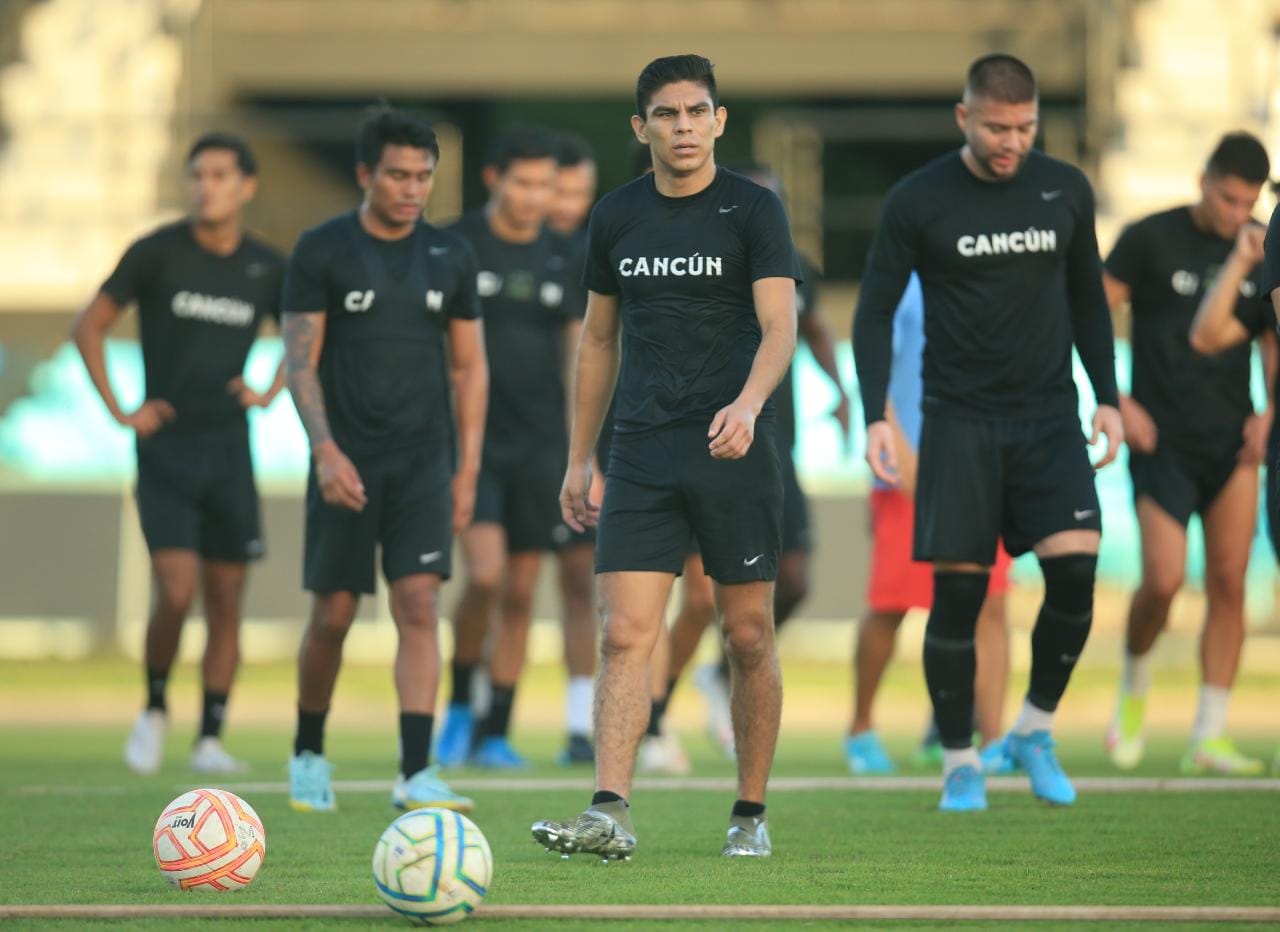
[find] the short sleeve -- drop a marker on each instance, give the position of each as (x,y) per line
(597,272)
(1127,257)
(306,277)
(1271,261)
(465,303)
(125,285)
(771,253)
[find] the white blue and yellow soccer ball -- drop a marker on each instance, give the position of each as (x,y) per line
(433,866)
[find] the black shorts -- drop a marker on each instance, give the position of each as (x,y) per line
(409,513)
(1183,481)
(664,485)
(795,510)
(980,480)
(196,492)
(523,495)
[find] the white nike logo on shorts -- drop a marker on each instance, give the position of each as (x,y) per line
(1050,195)
(1081,515)
(753,561)
(431,557)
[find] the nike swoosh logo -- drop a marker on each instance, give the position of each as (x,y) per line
(1081,515)
(431,557)
(1067,658)
(753,561)
(438,250)
(725,210)
(1050,195)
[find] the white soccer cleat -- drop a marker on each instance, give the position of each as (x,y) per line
(662,754)
(209,756)
(145,748)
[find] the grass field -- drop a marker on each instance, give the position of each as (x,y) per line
(77,826)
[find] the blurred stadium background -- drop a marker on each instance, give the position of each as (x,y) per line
(99,98)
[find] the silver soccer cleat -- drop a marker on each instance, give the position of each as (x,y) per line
(748,838)
(599,831)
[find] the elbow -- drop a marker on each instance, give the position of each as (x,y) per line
(1203,343)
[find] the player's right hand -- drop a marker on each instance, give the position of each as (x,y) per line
(1250,243)
(577,507)
(339,482)
(1140,431)
(882,456)
(150,416)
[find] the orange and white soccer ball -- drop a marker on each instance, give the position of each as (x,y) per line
(209,840)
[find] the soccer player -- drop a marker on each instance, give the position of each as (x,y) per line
(1002,237)
(381,326)
(202,286)
(693,270)
(1194,441)
(897,583)
(530,296)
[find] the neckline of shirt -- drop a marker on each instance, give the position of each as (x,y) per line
(667,200)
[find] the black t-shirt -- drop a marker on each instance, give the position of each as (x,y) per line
(784,397)
(529,292)
(1011,278)
(383,369)
(683,268)
(198,314)
(1169,264)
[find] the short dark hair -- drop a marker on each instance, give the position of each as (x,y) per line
(523,143)
(1002,78)
(572,150)
(245,161)
(384,126)
(1240,154)
(663,71)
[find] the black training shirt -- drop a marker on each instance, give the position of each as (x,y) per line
(1169,264)
(198,314)
(683,268)
(529,292)
(383,368)
(1011,279)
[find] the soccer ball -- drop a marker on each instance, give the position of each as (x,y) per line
(209,840)
(432,865)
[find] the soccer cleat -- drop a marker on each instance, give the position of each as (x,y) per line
(603,830)
(577,751)
(1125,742)
(964,790)
(715,689)
(995,759)
(455,737)
(865,754)
(310,783)
(144,749)
(496,753)
(209,756)
(748,838)
(1034,753)
(662,754)
(1220,756)
(427,788)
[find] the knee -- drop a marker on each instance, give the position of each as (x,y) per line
(623,634)
(485,582)
(700,602)
(416,608)
(1224,585)
(957,602)
(517,604)
(1163,584)
(1069,580)
(332,617)
(576,584)
(174,596)
(748,636)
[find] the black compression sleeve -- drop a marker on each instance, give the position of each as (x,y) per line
(1090,315)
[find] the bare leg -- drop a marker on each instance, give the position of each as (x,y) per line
(415,607)
(511,643)
(223,588)
(746,611)
(877,635)
(175,575)
(320,655)
(1228,534)
(484,551)
(792,587)
(577,589)
(1164,558)
(992,678)
(697,611)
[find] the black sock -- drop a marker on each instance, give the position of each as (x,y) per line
(498,720)
(415,741)
(605,796)
(461,683)
(657,710)
(157,683)
(723,667)
(215,710)
(310,735)
(748,810)
(1062,626)
(949,658)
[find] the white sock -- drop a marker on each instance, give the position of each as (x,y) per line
(578,701)
(1032,719)
(1136,679)
(961,757)
(1211,713)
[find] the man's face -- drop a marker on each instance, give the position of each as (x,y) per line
(1227,202)
(217,190)
(523,193)
(575,191)
(681,126)
(999,135)
(397,188)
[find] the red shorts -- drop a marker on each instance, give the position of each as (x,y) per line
(899,583)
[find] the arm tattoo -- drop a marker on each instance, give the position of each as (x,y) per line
(300,336)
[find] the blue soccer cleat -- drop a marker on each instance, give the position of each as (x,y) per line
(1034,754)
(427,788)
(455,736)
(311,783)
(995,759)
(865,754)
(964,790)
(496,753)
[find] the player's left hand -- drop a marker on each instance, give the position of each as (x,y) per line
(732,431)
(247,397)
(1107,423)
(464,500)
(1257,429)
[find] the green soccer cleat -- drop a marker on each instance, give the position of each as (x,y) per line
(1125,742)
(1219,756)
(748,838)
(604,830)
